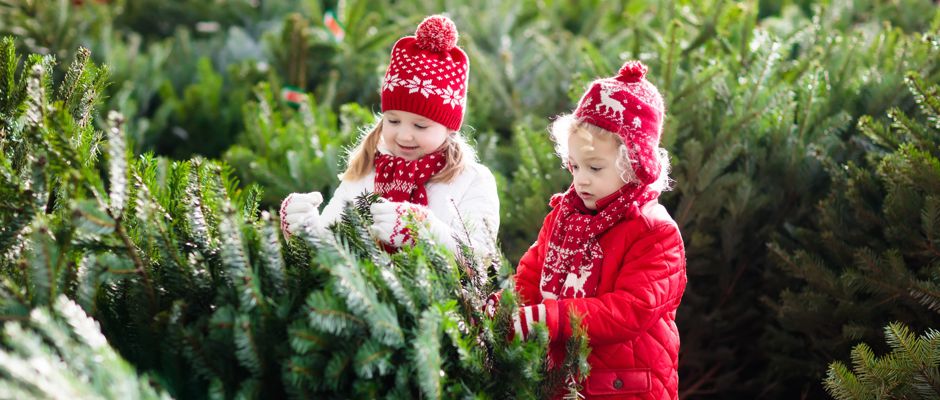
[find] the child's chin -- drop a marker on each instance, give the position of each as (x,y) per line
(410,155)
(591,205)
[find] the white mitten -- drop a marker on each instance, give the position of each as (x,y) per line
(300,211)
(390,225)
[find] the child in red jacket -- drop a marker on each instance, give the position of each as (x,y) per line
(608,251)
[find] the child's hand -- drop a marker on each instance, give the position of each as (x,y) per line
(389,224)
(492,303)
(300,211)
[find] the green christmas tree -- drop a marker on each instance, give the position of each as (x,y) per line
(294,151)
(870,259)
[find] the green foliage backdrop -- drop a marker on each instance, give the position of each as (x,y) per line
(803,139)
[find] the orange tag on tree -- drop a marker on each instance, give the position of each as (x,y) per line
(293,95)
(333,26)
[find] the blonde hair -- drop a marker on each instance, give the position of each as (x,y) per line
(566,125)
(362,157)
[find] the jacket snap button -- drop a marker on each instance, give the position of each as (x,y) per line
(618,383)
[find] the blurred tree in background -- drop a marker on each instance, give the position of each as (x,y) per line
(800,132)
(870,258)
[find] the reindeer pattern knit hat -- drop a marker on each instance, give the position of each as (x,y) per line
(428,74)
(630,106)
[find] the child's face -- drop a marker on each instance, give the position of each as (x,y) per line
(592,160)
(411,136)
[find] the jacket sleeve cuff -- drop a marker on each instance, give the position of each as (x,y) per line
(556,319)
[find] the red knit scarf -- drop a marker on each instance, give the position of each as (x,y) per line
(573,260)
(401,180)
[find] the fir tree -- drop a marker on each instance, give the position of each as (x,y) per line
(871,259)
(524,195)
(749,141)
(294,151)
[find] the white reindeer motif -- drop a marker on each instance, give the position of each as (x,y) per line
(573,281)
(546,294)
(611,105)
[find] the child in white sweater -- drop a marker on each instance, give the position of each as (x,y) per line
(415,157)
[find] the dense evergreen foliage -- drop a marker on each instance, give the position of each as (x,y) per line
(803,139)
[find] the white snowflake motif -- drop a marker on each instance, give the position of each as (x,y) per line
(451,97)
(391,82)
(587,102)
(637,123)
(415,84)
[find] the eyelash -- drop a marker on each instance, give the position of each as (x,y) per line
(394,122)
(575,167)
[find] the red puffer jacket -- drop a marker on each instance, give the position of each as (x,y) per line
(631,321)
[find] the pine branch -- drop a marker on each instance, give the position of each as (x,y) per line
(75,78)
(44,255)
(249,350)
(271,255)
(927,293)
(373,359)
(928,97)
(426,354)
(327,313)
(360,297)
(909,371)
(62,354)
(197,223)
(140,267)
(117,165)
(36,99)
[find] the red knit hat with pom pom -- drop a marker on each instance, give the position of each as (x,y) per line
(631,107)
(428,74)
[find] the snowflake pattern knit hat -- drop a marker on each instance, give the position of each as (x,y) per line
(631,107)
(428,74)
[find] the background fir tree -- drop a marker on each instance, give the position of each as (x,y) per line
(764,97)
(287,151)
(869,259)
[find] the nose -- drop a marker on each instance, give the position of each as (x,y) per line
(581,180)
(404,135)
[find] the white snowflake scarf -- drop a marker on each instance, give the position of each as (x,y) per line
(573,260)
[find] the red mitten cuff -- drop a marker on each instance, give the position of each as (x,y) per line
(283,215)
